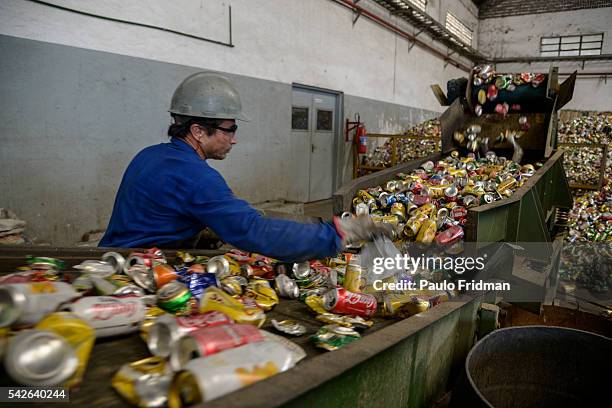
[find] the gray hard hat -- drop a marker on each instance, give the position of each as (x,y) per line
(207,95)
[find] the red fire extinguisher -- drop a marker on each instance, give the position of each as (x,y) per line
(361,139)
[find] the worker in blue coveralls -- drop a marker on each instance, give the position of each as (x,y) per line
(169,193)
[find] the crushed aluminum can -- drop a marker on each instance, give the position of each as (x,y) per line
(39,358)
(78,334)
(198,282)
(234,285)
(220,266)
(482,96)
(315,303)
(27,303)
(260,270)
(342,301)
(45,263)
(450,193)
(450,235)
(353,322)
(211,340)
(332,337)
(142,276)
(355,275)
(215,299)
(289,327)
(428,166)
(399,210)
(301,270)
(116,260)
(168,329)
(478,110)
(487,199)
(144,383)
(98,268)
(286,287)
(492,92)
(128,290)
(362,209)
(210,377)
(262,293)
(175,297)
(470,201)
(109,315)
(163,274)
(147,259)
(427,232)
(527,170)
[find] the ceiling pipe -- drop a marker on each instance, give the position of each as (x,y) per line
(379,20)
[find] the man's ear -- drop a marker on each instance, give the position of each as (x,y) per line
(197,132)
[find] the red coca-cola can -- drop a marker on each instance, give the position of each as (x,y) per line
(450,235)
(211,340)
(458,212)
(168,329)
(421,199)
(340,300)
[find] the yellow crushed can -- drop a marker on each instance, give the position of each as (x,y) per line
(216,299)
(78,334)
(262,293)
(129,383)
(427,232)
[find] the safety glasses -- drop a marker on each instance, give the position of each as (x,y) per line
(231,129)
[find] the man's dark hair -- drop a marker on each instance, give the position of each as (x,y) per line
(182,124)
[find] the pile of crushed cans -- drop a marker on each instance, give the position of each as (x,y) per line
(431,203)
(586,259)
(424,140)
(590,220)
(583,163)
(200,318)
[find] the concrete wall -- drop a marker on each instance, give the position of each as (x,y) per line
(519,36)
(82,95)
(309,42)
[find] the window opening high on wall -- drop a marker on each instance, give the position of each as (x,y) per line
(568,45)
(458,28)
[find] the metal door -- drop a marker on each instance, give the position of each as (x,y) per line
(314,124)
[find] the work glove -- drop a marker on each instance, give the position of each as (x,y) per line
(361,228)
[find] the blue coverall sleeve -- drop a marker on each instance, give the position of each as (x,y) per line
(236,222)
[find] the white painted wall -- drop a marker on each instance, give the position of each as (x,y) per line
(310,42)
(519,36)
